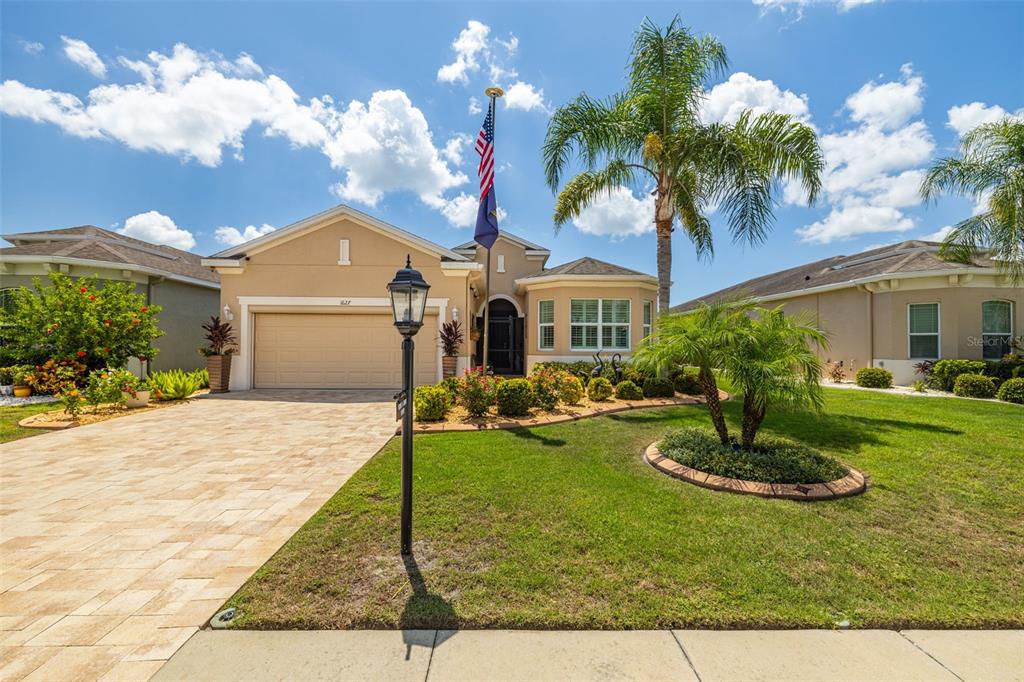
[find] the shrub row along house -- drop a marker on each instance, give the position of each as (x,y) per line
(895,306)
(170,278)
(311,309)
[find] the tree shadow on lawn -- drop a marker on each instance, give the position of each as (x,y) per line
(531,434)
(424,610)
(840,432)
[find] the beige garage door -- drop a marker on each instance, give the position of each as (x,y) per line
(337,351)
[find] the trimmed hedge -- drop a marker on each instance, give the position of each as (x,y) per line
(656,387)
(545,383)
(599,389)
(1012,391)
(515,398)
(627,390)
(874,377)
(974,386)
(771,460)
(685,381)
(945,372)
(570,389)
(431,403)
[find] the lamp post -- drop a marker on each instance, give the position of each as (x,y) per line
(408,301)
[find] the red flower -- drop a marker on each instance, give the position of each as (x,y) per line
(81,353)
(106,322)
(83,290)
(145,308)
(106,350)
(142,358)
(92,298)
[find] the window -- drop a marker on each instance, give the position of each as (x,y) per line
(501,263)
(546,325)
(343,258)
(996,328)
(648,317)
(599,324)
(923,331)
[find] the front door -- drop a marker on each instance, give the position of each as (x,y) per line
(504,339)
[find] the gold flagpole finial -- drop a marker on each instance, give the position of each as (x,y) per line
(494,92)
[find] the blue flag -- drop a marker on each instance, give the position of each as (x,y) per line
(487,221)
(487,214)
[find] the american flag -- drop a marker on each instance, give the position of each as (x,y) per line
(485,148)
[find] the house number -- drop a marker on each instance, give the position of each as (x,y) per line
(345,301)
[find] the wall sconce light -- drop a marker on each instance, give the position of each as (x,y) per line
(228,315)
(455,313)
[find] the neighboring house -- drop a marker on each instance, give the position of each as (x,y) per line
(168,277)
(897,305)
(312,310)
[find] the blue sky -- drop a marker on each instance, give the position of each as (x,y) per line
(189,123)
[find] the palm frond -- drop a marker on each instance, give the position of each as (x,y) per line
(587,186)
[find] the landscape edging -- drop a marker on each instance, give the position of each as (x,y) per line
(854,483)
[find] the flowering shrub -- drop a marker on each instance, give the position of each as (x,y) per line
(110,386)
(545,383)
(570,388)
(72,400)
(599,389)
(477,392)
(77,319)
(55,376)
(514,398)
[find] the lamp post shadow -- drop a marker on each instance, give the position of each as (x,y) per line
(425,613)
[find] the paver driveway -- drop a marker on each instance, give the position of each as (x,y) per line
(118,540)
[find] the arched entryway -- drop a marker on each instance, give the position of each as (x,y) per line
(505,338)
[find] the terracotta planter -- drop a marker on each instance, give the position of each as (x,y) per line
(141,399)
(449,364)
(219,367)
(22,391)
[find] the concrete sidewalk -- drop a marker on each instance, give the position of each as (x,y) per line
(690,655)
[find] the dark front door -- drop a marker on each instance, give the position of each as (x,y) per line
(505,339)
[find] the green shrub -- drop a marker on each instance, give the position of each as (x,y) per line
(770,460)
(874,377)
(7,374)
(174,384)
(974,386)
(920,386)
(545,383)
(1012,391)
(656,387)
(685,381)
(514,398)
(599,389)
(108,386)
(20,374)
(203,376)
(635,374)
(945,372)
(450,384)
(432,403)
(72,400)
(570,388)
(477,392)
(627,390)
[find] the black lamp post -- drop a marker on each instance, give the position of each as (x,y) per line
(408,301)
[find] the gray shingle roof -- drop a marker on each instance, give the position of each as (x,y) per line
(587,266)
(94,243)
(905,257)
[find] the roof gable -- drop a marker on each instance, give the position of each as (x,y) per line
(588,267)
(526,245)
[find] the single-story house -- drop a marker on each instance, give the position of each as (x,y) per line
(169,277)
(311,306)
(897,305)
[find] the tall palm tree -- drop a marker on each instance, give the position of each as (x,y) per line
(651,137)
(991,167)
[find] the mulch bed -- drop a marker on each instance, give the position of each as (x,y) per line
(56,420)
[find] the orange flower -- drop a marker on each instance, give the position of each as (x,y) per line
(83,290)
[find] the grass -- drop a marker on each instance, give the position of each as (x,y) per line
(10,416)
(564,526)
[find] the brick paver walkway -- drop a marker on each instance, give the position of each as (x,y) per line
(119,539)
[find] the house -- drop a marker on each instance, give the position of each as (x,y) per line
(168,277)
(311,306)
(897,305)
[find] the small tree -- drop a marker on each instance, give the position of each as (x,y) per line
(77,319)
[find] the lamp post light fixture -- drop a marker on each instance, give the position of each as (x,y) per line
(408,301)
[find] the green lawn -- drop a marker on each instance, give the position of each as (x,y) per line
(10,416)
(565,527)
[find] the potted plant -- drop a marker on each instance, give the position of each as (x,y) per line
(136,392)
(6,381)
(221,340)
(451,340)
(20,376)
(474,334)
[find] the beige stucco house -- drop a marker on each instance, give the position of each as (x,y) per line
(897,305)
(166,276)
(310,304)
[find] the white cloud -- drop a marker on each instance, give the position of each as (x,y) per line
(966,117)
(526,97)
(453,148)
(852,221)
(157,228)
(726,101)
(864,154)
(461,211)
(888,105)
(80,53)
(474,106)
(232,236)
(386,146)
(32,47)
(938,235)
(798,6)
(470,42)
(618,214)
(898,191)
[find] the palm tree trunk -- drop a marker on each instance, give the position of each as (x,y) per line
(663,229)
(752,418)
(710,388)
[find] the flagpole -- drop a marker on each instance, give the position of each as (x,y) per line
(493,93)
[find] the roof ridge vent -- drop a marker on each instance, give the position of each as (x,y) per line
(885,254)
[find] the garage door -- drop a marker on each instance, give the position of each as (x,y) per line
(337,351)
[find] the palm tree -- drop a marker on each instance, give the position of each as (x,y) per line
(651,137)
(702,339)
(990,168)
(772,361)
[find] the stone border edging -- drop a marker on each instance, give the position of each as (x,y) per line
(854,483)
(27,423)
(544,420)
